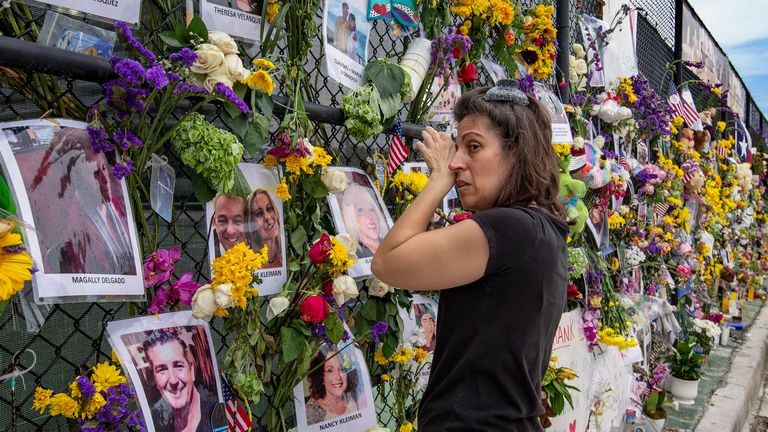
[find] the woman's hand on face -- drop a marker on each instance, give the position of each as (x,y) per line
(438,149)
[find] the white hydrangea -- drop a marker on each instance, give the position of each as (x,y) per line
(634,256)
(707,327)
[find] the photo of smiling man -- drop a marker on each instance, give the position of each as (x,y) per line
(172,369)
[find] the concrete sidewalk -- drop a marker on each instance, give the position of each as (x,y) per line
(728,409)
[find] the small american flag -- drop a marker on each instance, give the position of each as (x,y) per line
(722,151)
(623,161)
(397,151)
(661,209)
(682,108)
(238,419)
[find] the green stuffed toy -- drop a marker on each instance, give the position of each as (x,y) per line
(571,193)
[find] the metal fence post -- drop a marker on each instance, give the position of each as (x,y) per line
(563,43)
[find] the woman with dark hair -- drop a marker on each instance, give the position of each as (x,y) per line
(425,319)
(264,227)
(502,272)
(332,386)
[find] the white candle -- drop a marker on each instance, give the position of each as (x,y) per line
(416,62)
(190,11)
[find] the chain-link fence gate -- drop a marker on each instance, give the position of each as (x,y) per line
(66,338)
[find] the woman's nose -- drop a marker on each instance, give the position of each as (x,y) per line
(457,162)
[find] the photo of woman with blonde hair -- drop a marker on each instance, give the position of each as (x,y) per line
(363,218)
(263,227)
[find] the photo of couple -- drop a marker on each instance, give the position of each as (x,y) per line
(348,28)
(256,220)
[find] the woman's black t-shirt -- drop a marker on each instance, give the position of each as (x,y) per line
(494,335)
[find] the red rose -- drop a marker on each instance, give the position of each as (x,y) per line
(461,216)
(319,251)
(468,73)
(313,309)
(328,287)
(457,52)
(573,291)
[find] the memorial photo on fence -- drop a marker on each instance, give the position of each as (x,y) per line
(337,393)
(256,220)
(345,29)
(84,241)
(172,366)
(238,18)
(359,210)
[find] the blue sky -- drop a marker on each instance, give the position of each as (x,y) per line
(741,29)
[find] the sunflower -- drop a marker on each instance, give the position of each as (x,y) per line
(15,262)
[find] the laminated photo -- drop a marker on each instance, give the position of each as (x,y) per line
(420,328)
(238,18)
(345,38)
(171,362)
(561,128)
(451,200)
(448,93)
(257,220)
(127,11)
(359,210)
(84,242)
(336,394)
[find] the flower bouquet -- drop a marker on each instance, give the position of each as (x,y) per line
(402,373)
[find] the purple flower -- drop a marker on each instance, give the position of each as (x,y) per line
(445,48)
(99,140)
(186,56)
(526,85)
(318,330)
(230,95)
(156,77)
(123,170)
(86,387)
(127,35)
(378,329)
(159,265)
(129,70)
(186,288)
(577,98)
(653,249)
(651,113)
(127,139)
(15,249)
(173,76)
(694,65)
(189,88)
(124,97)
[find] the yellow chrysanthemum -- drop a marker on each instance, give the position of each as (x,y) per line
(282,190)
(42,399)
(93,406)
(407,427)
(272,10)
(339,256)
(322,158)
(297,164)
(420,355)
(260,80)
(62,404)
(720,126)
(385,377)
(379,358)
(105,376)
(263,63)
(15,267)
(269,161)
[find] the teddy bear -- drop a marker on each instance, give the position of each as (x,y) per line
(686,139)
(700,139)
(571,193)
(744,176)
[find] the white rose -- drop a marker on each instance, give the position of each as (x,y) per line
(572,76)
(578,50)
(378,288)
(350,242)
(276,306)
(221,75)
(204,303)
(334,180)
(235,67)
(344,289)
(223,41)
(580,66)
(209,58)
(578,143)
(223,295)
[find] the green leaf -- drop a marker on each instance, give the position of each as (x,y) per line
(198,28)
(334,328)
(389,106)
(6,198)
(302,328)
(390,344)
(264,103)
(386,76)
(170,39)
(203,191)
(558,403)
(241,187)
(257,133)
(368,311)
(651,403)
(292,343)
(299,238)
(315,187)
(238,123)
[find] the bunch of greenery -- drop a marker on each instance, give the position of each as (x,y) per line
(683,362)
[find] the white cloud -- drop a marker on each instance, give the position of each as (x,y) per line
(734,22)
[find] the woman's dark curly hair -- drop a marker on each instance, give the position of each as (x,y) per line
(317,373)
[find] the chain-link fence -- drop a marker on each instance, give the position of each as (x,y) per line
(67,338)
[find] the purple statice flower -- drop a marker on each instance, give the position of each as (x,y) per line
(578,99)
(231,96)
(332,302)
(444,51)
(606,136)
(185,56)
(318,330)
(129,70)
(651,113)
(85,426)
(594,280)
(525,83)
(693,65)
(644,177)
(609,154)
(123,169)
(15,249)
(86,387)
(159,266)
(127,139)
(653,248)
(156,77)
(189,88)
(378,329)
(173,76)
(346,336)
(127,36)
(124,97)
(99,139)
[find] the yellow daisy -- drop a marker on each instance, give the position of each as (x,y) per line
(105,376)
(42,399)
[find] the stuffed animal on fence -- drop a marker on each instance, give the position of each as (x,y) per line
(571,193)
(700,139)
(686,139)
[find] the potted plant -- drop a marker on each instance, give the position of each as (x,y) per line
(684,365)
(653,409)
